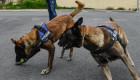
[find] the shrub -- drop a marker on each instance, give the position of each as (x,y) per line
(20,1)
(9,4)
(120,8)
(134,9)
(33,4)
(109,8)
(1,6)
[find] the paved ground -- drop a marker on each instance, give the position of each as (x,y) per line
(14,24)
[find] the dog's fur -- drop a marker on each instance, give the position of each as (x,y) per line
(56,26)
(95,38)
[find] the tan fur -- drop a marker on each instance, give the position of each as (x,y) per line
(78,9)
(56,26)
(96,38)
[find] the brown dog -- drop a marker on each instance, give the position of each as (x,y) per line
(24,47)
(104,46)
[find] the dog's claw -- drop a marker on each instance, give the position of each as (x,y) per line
(133,65)
(45,72)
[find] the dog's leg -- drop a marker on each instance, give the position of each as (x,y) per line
(106,71)
(62,53)
(104,67)
(51,49)
(127,53)
(125,59)
(129,66)
(70,55)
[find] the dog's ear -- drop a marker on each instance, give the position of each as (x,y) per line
(14,41)
(78,22)
(111,19)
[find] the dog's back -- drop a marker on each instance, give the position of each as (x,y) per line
(60,23)
(123,38)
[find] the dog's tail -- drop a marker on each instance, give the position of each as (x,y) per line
(78,9)
(111,19)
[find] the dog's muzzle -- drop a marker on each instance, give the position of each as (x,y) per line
(67,44)
(22,60)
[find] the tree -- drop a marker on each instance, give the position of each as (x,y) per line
(3,1)
(21,1)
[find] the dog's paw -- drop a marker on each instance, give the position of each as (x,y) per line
(133,64)
(45,72)
(69,59)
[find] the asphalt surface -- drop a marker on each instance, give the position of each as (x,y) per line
(14,24)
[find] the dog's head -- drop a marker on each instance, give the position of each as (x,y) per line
(72,36)
(21,56)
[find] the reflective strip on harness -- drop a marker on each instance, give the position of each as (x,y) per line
(44,33)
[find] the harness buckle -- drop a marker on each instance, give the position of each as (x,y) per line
(115,33)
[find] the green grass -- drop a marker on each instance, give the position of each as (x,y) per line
(30,4)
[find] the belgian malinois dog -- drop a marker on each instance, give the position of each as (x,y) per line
(24,47)
(97,40)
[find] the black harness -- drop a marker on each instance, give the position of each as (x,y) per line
(44,35)
(114,37)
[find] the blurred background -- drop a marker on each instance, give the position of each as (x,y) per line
(131,5)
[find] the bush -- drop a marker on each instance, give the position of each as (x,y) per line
(30,4)
(109,8)
(27,4)
(134,9)
(38,4)
(120,8)
(1,6)
(20,1)
(9,4)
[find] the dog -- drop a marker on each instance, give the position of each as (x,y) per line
(103,46)
(70,54)
(25,47)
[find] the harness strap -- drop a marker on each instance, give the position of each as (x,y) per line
(114,37)
(46,33)
(42,39)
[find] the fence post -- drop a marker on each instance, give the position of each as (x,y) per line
(137,5)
